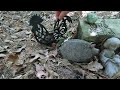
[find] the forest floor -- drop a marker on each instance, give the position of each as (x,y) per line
(22,57)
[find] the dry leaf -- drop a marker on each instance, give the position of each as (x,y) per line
(19,62)
(38,67)
(40,72)
(13,57)
(25,76)
(1,31)
(1,66)
(81,71)
(14,37)
(6,47)
(17,68)
(53,53)
(20,49)
(36,56)
(94,66)
(91,76)
(2,49)
(42,75)
(18,77)
(21,59)
(9,64)
(9,41)
(28,32)
(65,62)
(2,55)
(52,74)
(116,75)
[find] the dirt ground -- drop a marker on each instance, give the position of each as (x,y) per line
(22,57)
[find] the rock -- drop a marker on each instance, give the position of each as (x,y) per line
(111,69)
(101,30)
(91,18)
(109,59)
(78,50)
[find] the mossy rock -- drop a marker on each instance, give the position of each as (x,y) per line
(84,30)
(91,18)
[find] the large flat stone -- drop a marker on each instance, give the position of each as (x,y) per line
(99,34)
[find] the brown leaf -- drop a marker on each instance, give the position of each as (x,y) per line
(13,57)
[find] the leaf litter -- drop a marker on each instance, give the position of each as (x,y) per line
(21,57)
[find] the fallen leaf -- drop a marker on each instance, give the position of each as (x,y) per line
(17,69)
(9,41)
(40,72)
(116,75)
(19,62)
(81,71)
(52,74)
(91,76)
(28,32)
(53,53)
(36,56)
(2,49)
(14,37)
(94,66)
(2,55)
(38,67)
(20,49)
(65,62)
(6,47)
(17,77)
(18,29)
(13,57)
(25,76)
(42,75)
(1,31)
(9,64)
(21,59)
(54,46)
(1,66)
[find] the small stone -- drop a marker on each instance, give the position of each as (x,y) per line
(91,18)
